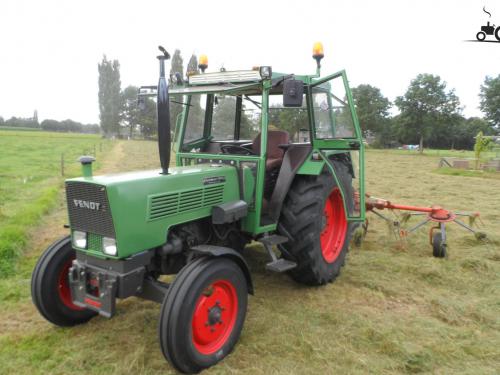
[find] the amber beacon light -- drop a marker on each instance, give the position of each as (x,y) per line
(318,53)
(203,63)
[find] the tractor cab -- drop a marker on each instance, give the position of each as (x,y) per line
(270,126)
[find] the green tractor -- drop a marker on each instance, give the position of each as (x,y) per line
(260,156)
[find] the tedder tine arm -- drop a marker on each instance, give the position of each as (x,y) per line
(464,225)
(422,223)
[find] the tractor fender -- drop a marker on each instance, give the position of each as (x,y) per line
(293,159)
(221,251)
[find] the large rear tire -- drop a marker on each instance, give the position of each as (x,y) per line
(313,217)
(50,289)
(202,315)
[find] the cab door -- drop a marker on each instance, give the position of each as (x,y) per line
(335,129)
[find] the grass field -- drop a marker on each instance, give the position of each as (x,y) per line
(394,309)
(30,180)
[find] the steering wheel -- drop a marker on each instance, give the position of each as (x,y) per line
(226,149)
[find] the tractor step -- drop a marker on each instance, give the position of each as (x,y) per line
(273,239)
(276,265)
(281,265)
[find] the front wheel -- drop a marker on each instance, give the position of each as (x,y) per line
(203,313)
(50,289)
(497,33)
(481,36)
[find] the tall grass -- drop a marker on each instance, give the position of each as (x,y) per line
(14,235)
(30,179)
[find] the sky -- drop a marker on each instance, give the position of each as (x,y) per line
(49,50)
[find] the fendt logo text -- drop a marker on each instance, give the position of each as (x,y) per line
(86,204)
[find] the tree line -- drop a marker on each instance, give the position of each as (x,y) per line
(429,115)
(49,125)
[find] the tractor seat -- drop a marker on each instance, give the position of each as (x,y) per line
(274,153)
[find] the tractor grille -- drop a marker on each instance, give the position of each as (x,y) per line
(94,242)
(164,205)
(81,195)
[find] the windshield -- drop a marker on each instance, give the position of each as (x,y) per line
(221,117)
(235,117)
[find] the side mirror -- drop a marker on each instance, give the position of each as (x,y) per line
(293,91)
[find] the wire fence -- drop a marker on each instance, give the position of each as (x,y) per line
(92,151)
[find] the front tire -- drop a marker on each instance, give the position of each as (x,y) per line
(50,289)
(480,36)
(314,218)
(203,313)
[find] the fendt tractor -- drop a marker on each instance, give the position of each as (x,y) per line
(260,156)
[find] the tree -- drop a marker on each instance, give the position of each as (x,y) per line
(2,121)
(490,100)
(68,126)
(176,65)
(147,118)
(35,119)
(425,106)
(110,104)
(130,112)
(19,122)
(372,108)
(482,144)
(192,67)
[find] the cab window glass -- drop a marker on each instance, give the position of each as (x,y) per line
(332,113)
(196,118)
(293,120)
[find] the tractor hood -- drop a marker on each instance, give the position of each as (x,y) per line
(138,208)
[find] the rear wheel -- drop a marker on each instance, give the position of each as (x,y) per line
(50,289)
(314,218)
(203,313)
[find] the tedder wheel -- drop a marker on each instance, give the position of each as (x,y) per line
(203,313)
(481,36)
(50,289)
(438,246)
(313,217)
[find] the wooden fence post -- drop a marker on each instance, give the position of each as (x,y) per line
(62,164)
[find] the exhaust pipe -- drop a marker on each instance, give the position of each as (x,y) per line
(163,110)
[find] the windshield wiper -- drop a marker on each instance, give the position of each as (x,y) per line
(181,103)
(257,104)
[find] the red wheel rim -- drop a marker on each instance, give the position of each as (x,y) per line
(335,227)
(214,317)
(63,286)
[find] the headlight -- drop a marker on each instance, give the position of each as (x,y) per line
(79,239)
(109,246)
